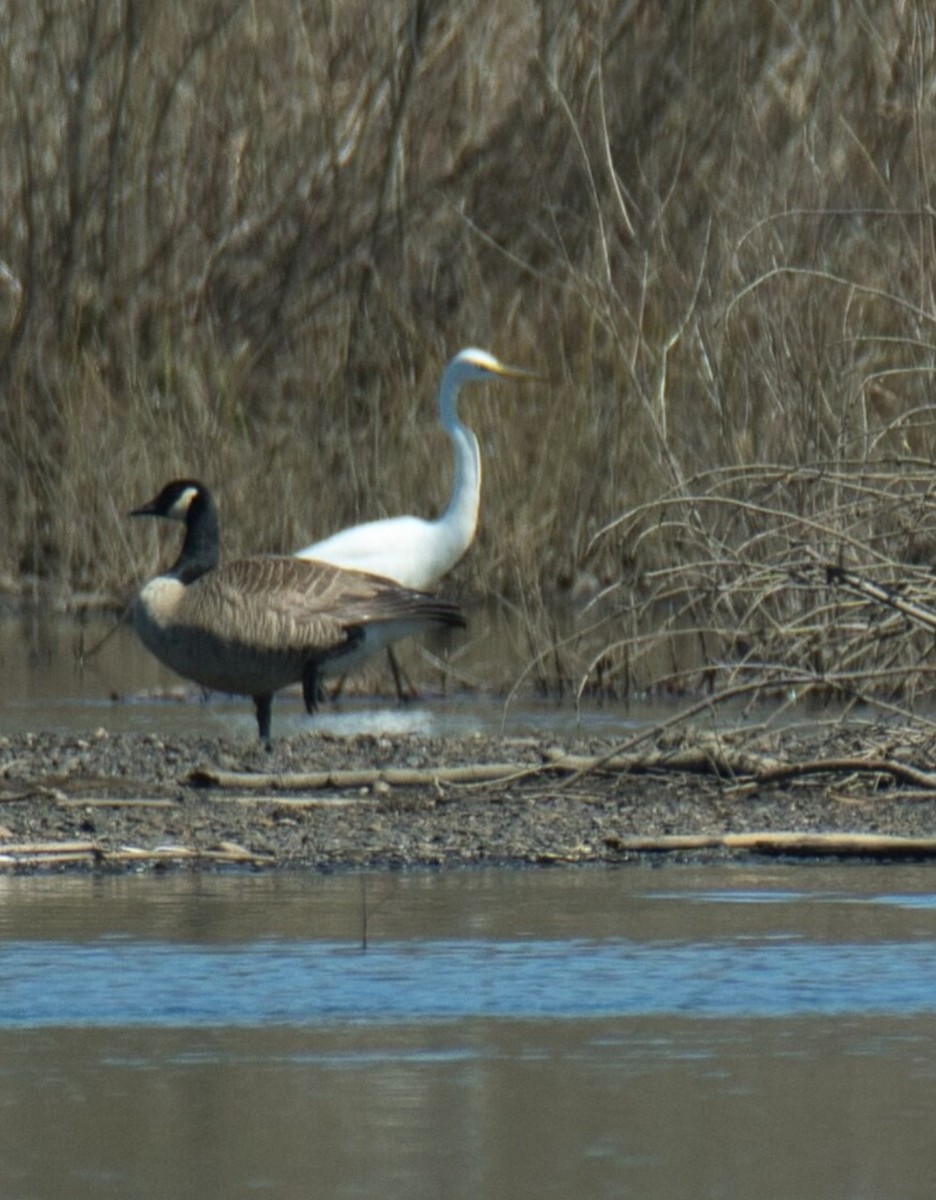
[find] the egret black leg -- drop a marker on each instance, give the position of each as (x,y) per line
(264,707)
(405,692)
(404,687)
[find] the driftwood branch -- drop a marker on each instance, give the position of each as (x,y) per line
(903,772)
(113,802)
(702,758)
(359,777)
(296,803)
(864,845)
(710,755)
(44,854)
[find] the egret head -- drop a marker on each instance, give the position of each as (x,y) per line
(473,363)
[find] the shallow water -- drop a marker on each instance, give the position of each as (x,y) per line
(69,678)
(723,1032)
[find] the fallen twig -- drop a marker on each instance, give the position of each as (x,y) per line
(834,844)
(868,766)
(296,802)
(360,777)
(43,854)
(20,848)
(74,858)
(113,802)
(708,755)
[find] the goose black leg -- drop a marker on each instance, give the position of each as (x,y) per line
(264,707)
(311,688)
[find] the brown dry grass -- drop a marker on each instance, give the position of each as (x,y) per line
(240,241)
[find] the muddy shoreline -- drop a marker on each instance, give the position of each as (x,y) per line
(143,802)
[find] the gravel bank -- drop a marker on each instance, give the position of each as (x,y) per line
(117,802)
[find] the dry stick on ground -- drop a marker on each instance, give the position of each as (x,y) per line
(746,763)
(709,756)
(362,777)
(41,854)
(782,842)
(709,703)
(902,772)
(78,858)
(111,802)
(286,804)
(20,848)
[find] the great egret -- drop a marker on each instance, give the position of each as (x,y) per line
(414,551)
(257,624)
(411,550)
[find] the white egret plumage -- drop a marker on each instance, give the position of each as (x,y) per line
(414,551)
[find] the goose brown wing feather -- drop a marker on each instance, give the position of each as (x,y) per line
(277,602)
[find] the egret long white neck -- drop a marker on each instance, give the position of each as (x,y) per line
(461,515)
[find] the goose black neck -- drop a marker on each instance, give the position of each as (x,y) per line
(201,549)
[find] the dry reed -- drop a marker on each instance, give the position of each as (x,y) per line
(240,241)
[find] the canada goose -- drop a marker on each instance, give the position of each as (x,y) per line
(257,624)
(411,550)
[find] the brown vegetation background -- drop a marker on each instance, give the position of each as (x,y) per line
(240,241)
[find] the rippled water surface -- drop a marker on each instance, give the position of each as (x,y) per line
(724,1032)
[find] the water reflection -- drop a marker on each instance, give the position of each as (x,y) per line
(651,1109)
(53,683)
(605,1103)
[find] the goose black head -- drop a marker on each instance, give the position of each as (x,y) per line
(177,501)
